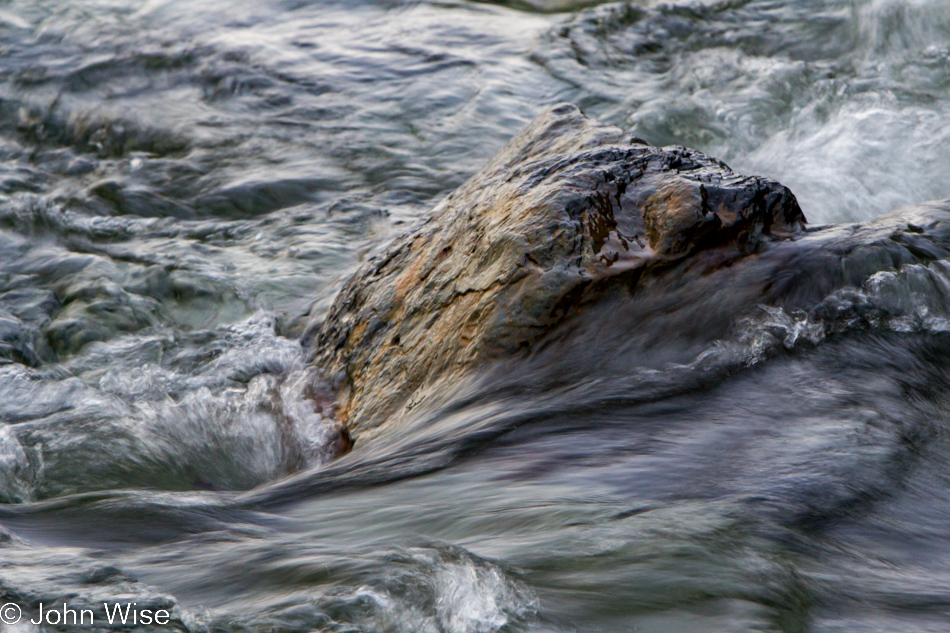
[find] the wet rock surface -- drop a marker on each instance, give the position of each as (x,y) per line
(575,243)
(567,213)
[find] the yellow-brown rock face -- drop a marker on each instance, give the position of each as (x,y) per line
(566,211)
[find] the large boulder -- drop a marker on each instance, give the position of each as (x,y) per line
(567,212)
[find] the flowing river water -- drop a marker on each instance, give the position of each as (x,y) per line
(184,185)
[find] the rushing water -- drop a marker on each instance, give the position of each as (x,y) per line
(184,184)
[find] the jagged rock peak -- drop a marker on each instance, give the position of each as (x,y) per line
(567,210)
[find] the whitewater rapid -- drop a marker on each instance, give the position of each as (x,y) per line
(185,185)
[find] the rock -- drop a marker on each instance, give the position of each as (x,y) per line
(564,215)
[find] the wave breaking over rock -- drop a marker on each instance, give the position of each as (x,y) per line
(571,220)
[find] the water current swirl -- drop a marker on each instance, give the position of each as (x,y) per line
(184,186)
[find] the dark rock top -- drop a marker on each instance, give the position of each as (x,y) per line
(566,212)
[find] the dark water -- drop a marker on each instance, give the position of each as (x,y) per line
(185,184)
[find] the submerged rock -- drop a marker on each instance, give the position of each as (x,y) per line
(564,215)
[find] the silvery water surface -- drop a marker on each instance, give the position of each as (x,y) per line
(183,181)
